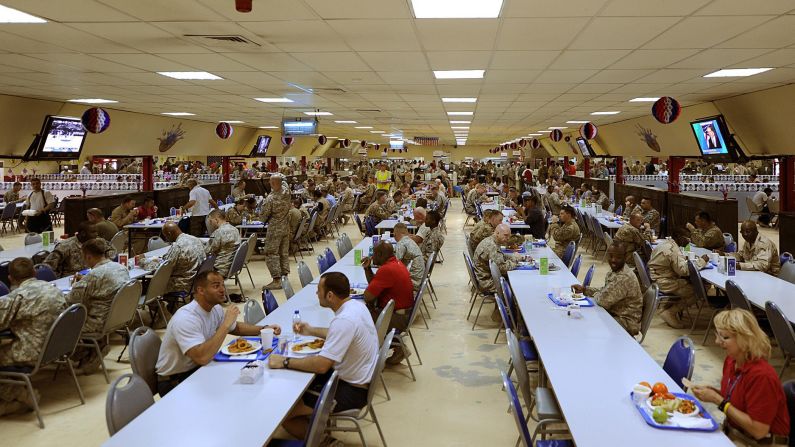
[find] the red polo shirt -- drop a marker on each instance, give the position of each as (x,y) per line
(758,392)
(392,282)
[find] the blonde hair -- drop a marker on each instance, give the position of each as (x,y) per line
(750,339)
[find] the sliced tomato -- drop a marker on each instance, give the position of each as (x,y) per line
(659,388)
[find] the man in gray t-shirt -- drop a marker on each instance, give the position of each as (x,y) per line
(408,252)
(196,332)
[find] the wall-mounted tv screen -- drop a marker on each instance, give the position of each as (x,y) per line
(585,148)
(299,126)
(261,146)
(61,137)
(712,136)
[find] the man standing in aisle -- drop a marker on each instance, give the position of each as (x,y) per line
(40,202)
(383,178)
(564,230)
(276,214)
(199,206)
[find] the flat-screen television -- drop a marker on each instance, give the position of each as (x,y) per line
(299,126)
(714,139)
(61,138)
(585,148)
(261,146)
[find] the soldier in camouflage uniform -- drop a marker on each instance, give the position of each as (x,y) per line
(433,242)
(346,201)
(634,236)
(368,195)
(563,230)
(758,252)
(475,197)
(599,197)
(295,215)
(621,296)
(553,198)
(223,242)
(276,214)
(651,217)
(705,233)
(67,257)
(631,207)
(234,215)
(96,291)
(187,254)
(27,312)
(668,268)
(408,252)
(489,249)
(484,228)
(565,189)
(377,211)
(323,208)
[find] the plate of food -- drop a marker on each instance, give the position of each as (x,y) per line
(356,291)
(241,346)
(311,345)
(686,407)
(666,401)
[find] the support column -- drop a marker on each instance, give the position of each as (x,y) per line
(273,166)
(786,187)
(655,160)
(225,168)
(620,170)
(148,173)
(675,165)
(586,168)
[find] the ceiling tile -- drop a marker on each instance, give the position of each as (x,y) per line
(159,11)
(515,76)
(457,60)
(377,35)
(71,11)
(455,35)
(778,58)
(621,32)
(564,76)
(406,77)
(146,62)
(67,37)
(776,33)
(333,61)
(674,8)
(648,59)
(538,34)
(582,59)
(270,62)
(518,60)
(739,7)
(551,8)
(298,35)
(406,61)
(360,9)
(703,32)
(617,76)
(263,10)
(714,59)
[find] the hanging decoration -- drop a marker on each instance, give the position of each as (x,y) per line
(363,143)
(170,137)
(648,137)
(224,130)
(522,143)
(535,143)
(588,131)
(514,145)
(95,120)
(287,141)
(567,138)
(322,139)
(243,5)
(666,110)
(345,143)
(556,135)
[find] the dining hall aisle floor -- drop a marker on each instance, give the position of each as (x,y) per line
(456,400)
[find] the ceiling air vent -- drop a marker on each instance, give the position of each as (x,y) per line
(221,39)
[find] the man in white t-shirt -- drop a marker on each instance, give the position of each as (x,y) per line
(761,199)
(199,204)
(351,349)
(196,332)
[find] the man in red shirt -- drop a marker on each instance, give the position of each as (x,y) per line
(148,210)
(392,281)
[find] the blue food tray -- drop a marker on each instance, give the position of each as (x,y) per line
(527,267)
(359,285)
(642,409)
(521,250)
(219,357)
(562,304)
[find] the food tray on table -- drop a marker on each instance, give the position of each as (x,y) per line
(520,250)
(701,421)
(527,266)
(559,301)
(357,291)
(259,355)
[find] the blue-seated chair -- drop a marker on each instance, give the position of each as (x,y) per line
(369,227)
(525,439)
(318,420)
(588,276)
(575,267)
(322,265)
(330,259)
(529,352)
(457,189)
(680,360)
(359,224)
(45,273)
(3,289)
(568,255)
(269,302)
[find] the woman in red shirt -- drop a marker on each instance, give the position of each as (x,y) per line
(750,392)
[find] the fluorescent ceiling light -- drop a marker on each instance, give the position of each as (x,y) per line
(459,99)
(576,122)
(190,75)
(274,99)
(460,113)
(459,127)
(736,72)
(268,127)
(178,114)
(643,99)
(558,128)
(295,125)
(544,131)
(460,122)
(345,122)
(377,131)
(459,74)
(614,112)
(318,113)
(456,9)
(363,127)
(10,15)
(94,101)
(232,122)
(534,135)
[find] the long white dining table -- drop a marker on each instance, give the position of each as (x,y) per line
(26,251)
(592,364)
(189,415)
(759,287)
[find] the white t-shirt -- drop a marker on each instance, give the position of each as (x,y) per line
(38,200)
(202,198)
(189,327)
(352,343)
(760,198)
(423,231)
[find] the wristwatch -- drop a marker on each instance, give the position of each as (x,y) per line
(286,363)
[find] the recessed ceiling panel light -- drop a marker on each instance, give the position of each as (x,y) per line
(318,113)
(736,72)
(459,74)
(11,15)
(534,135)
(544,131)
(576,122)
(459,127)
(190,75)
(643,99)
(268,127)
(274,99)
(345,122)
(376,131)
(459,100)
(178,114)
(232,122)
(460,122)
(456,9)
(613,112)
(94,101)
(460,113)
(363,127)
(558,128)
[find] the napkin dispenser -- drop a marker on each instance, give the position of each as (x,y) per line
(727,265)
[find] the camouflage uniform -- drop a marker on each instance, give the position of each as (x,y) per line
(408,252)
(295,215)
(489,250)
(481,231)
(621,297)
(668,268)
(436,203)
(633,239)
(432,243)
(276,214)
(223,244)
(67,257)
(567,190)
(367,196)
(233,216)
(761,256)
(711,238)
(652,217)
(601,199)
(96,291)
(238,193)
(630,210)
(11,196)
(563,234)
(554,203)
(346,200)
(473,198)
(28,312)
(121,217)
(187,253)
(321,228)
(377,212)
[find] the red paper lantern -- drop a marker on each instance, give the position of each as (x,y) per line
(535,144)
(96,120)
(224,130)
(666,110)
(588,131)
(243,5)
(522,143)
(514,145)
(322,140)
(556,135)
(345,143)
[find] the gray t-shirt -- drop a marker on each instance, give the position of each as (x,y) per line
(189,327)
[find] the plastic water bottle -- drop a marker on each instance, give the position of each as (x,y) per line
(296,322)
(245,220)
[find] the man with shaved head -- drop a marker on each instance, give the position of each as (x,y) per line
(758,252)
(634,236)
(392,281)
(186,252)
(489,250)
(105,228)
(484,228)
